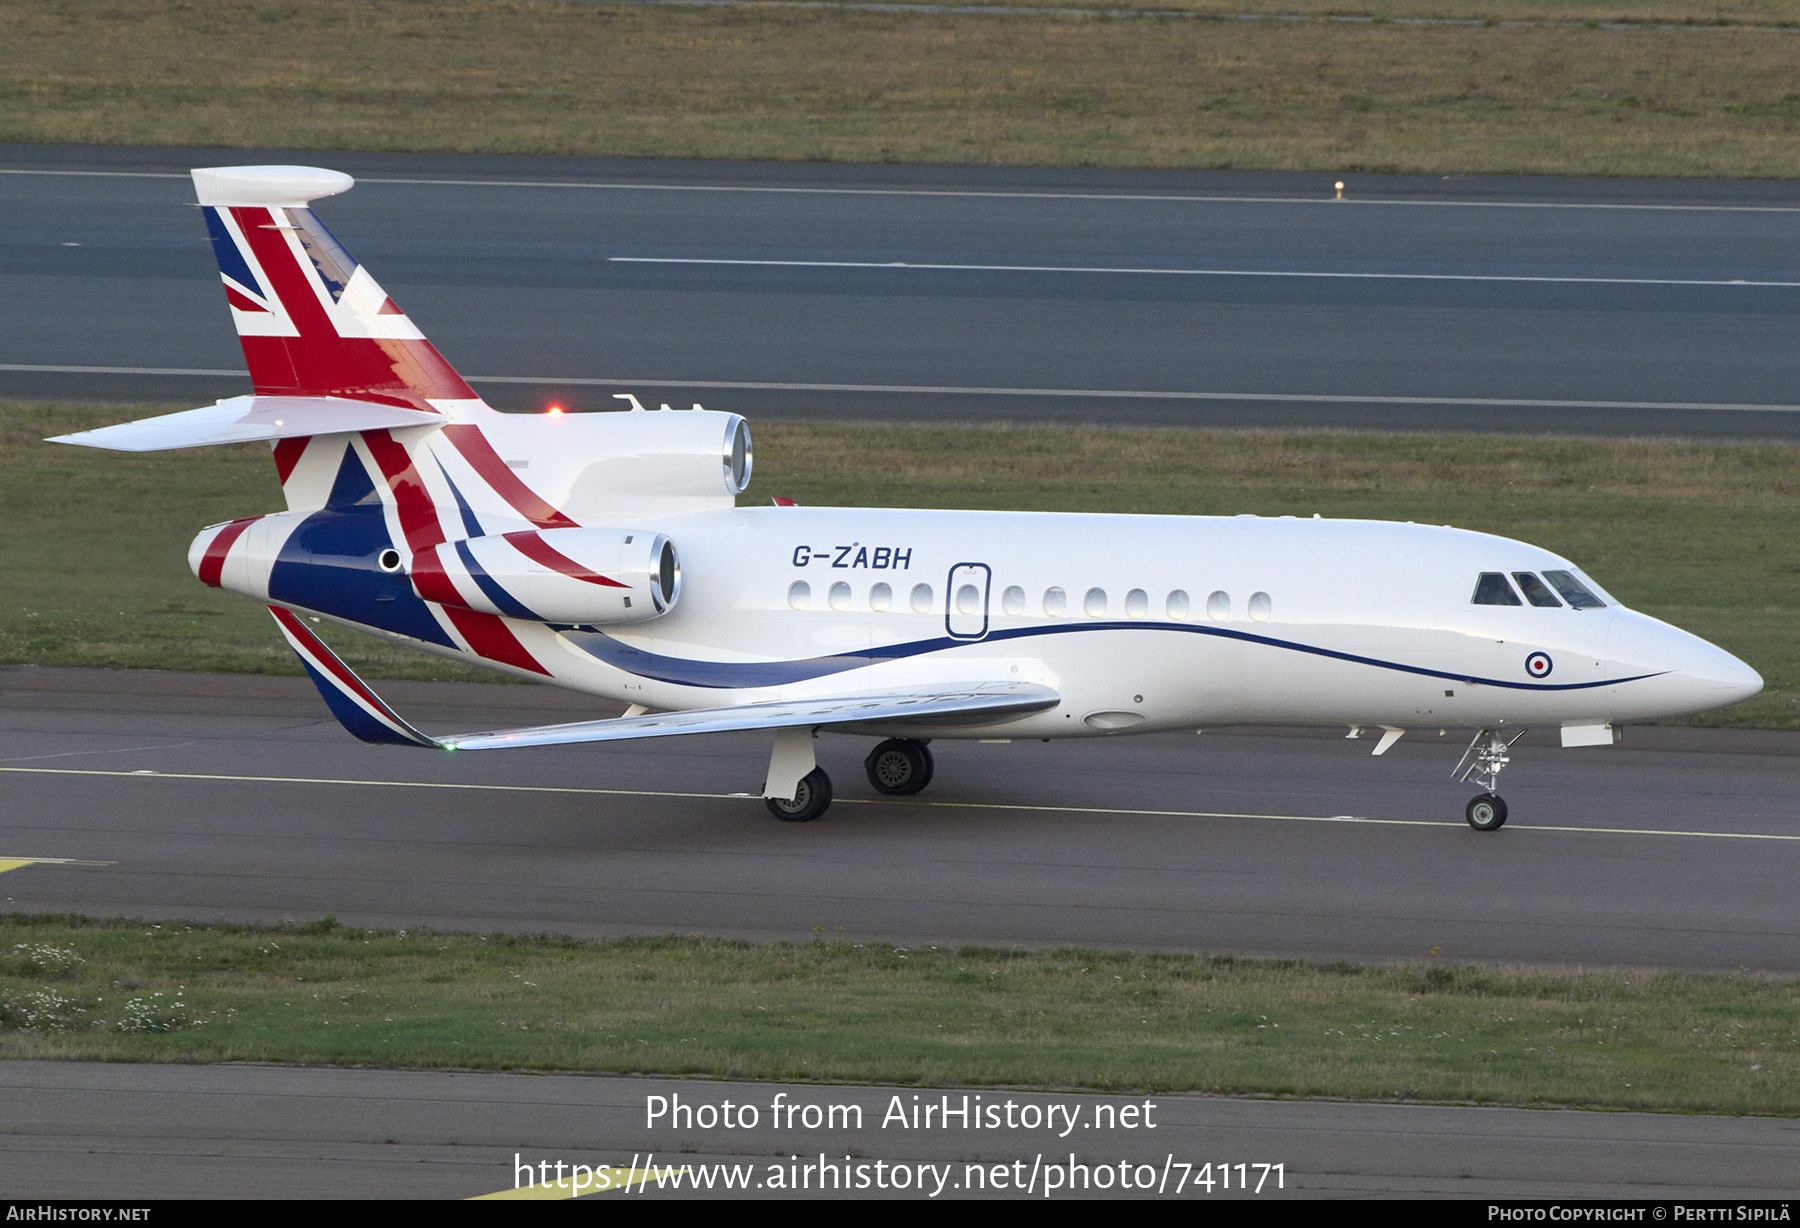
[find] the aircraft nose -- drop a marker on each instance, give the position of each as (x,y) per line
(1690,674)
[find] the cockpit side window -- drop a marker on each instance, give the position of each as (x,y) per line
(1536,591)
(1577,594)
(1492,589)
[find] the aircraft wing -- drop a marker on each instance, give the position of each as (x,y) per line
(368,717)
(973,704)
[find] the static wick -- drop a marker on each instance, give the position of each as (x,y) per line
(1340,189)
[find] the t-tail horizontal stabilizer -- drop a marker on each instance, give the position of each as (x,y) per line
(251,419)
(364,714)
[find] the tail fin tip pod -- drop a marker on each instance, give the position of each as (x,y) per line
(312,320)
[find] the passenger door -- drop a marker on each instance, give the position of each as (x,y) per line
(966,601)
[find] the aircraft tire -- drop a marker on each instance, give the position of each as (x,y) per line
(812,798)
(899,766)
(1486,812)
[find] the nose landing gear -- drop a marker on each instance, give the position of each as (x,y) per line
(1480,765)
(899,766)
(1486,812)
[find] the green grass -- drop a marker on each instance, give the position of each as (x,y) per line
(832,1011)
(1705,535)
(1330,96)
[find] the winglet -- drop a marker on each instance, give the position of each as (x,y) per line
(357,708)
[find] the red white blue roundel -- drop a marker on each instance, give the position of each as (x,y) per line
(1538,665)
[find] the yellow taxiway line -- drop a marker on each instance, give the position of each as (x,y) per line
(13,863)
(1124,812)
(601,1180)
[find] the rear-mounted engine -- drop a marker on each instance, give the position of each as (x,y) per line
(579,575)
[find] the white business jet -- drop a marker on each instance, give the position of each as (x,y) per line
(606,553)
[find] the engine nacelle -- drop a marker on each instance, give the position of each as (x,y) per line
(599,577)
(607,467)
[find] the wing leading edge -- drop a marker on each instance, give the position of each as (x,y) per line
(368,717)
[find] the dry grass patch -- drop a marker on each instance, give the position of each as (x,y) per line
(479,76)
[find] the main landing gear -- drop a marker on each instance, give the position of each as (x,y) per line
(899,766)
(811,798)
(1480,765)
(797,790)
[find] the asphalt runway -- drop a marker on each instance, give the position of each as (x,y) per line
(947,293)
(207,798)
(87,1131)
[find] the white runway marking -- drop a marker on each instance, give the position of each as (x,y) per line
(900,265)
(1128,394)
(1175,197)
(143,774)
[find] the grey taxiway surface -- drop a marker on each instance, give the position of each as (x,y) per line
(76,1130)
(188,796)
(963,293)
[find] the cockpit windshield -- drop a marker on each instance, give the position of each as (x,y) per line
(1536,591)
(1577,594)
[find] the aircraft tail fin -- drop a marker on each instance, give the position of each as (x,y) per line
(312,321)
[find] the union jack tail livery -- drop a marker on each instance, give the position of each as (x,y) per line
(312,321)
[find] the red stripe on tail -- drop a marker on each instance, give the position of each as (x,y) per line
(212,564)
(320,362)
(489,636)
(287,455)
(486,462)
(418,515)
(538,550)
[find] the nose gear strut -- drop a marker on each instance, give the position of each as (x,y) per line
(1480,765)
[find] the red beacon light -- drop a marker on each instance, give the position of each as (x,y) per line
(554,409)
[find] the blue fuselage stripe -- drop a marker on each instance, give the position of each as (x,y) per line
(735,675)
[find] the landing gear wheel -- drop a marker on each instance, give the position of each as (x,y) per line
(812,797)
(1486,812)
(899,766)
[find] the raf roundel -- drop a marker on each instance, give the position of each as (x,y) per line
(1538,665)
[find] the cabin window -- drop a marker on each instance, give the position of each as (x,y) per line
(1578,595)
(1536,591)
(1178,604)
(799,594)
(880,598)
(1492,589)
(1261,607)
(921,599)
(839,596)
(968,599)
(1137,603)
(1095,603)
(1055,602)
(1013,600)
(1218,607)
